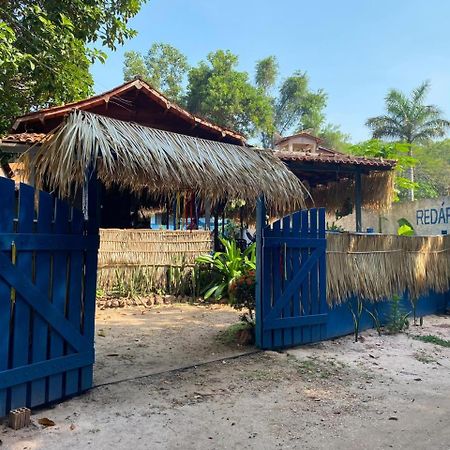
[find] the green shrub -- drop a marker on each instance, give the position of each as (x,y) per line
(397,319)
(228,265)
(243,292)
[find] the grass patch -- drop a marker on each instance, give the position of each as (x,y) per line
(314,367)
(230,335)
(424,358)
(432,339)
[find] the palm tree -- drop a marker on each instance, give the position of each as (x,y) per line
(410,120)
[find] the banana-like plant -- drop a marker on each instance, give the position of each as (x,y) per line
(229,265)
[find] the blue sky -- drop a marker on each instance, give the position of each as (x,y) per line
(353,49)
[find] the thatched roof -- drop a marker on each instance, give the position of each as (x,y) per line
(377,267)
(160,162)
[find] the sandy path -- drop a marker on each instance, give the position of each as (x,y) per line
(386,392)
(132,342)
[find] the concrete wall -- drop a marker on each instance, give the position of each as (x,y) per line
(428,217)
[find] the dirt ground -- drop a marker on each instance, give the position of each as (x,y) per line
(385,392)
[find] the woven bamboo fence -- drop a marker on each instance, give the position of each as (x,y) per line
(376,267)
(123,252)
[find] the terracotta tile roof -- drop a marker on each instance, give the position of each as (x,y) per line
(24,138)
(328,156)
(28,120)
(300,134)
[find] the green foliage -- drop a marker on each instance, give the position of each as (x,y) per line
(397,318)
(334,138)
(409,120)
(356,311)
(390,150)
(433,169)
(231,334)
(164,68)
(228,265)
(46,49)
(243,292)
(266,73)
(432,339)
(223,94)
(405,228)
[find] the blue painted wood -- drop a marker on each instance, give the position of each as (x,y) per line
(45,346)
(42,282)
(277,275)
(295,284)
(294,279)
(37,300)
(323,304)
(291,322)
(286,312)
(7,212)
(297,331)
(59,296)
(260,223)
(314,274)
(304,289)
(74,304)
(41,369)
(47,241)
(22,311)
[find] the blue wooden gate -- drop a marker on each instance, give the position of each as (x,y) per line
(48,264)
(291,291)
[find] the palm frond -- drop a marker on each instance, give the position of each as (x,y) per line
(160,162)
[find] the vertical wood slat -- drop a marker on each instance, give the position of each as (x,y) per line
(306,309)
(42,281)
(286,277)
(267,290)
(74,298)
(323,308)
(277,273)
(59,279)
(22,311)
(7,208)
(260,224)
(297,331)
(315,329)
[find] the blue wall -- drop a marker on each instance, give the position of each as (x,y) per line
(340,319)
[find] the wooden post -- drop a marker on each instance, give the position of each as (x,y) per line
(260,224)
(358,202)
(216,228)
(207,204)
(91,216)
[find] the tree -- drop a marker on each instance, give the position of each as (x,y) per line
(295,107)
(266,73)
(221,93)
(409,120)
(164,67)
(46,49)
(389,150)
(334,138)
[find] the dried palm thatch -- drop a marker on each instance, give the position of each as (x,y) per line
(161,162)
(132,247)
(377,192)
(376,267)
(148,253)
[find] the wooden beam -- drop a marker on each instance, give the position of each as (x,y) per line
(358,202)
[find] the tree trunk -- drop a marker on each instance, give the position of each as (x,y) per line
(410,173)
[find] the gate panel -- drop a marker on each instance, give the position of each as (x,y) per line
(47,298)
(292,280)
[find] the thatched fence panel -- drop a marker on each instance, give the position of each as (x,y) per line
(122,252)
(376,267)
